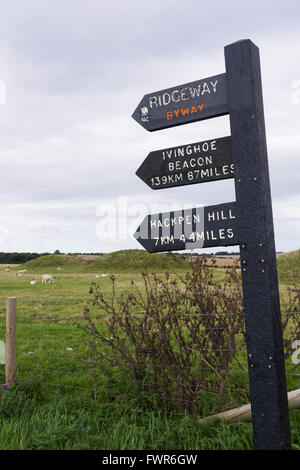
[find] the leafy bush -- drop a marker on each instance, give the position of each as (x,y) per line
(179,340)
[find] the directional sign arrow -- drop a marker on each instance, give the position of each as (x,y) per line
(188,164)
(194,101)
(188,229)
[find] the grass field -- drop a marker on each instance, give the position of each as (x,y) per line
(64,399)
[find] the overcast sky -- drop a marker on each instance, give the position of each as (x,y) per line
(72,73)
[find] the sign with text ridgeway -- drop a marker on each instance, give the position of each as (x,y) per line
(248,221)
(187,229)
(195,101)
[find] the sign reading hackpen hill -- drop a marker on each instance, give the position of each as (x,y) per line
(200,162)
(181,104)
(199,227)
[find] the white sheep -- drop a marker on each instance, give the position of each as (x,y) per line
(22,271)
(47,278)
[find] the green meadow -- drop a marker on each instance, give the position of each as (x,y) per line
(65,397)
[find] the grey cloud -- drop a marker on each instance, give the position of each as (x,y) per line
(75,72)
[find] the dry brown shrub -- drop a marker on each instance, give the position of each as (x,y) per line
(180,338)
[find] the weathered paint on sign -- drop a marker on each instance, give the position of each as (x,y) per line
(194,101)
(188,229)
(200,162)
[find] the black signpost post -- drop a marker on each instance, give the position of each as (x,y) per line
(270,416)
(247,222)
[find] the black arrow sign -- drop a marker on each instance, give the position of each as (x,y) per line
(188,229)
(182,104)
(188,164)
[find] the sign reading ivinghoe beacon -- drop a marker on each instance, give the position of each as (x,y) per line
(199,162)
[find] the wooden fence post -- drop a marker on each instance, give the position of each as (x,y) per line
(10,344)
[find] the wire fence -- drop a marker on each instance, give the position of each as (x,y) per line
(53,352)
(56,300)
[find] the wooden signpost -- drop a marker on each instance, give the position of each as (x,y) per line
(247,222)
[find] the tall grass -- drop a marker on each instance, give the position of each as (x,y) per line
(55,404)
(29,420)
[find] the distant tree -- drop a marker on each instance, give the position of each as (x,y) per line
(56,252)
(16,258)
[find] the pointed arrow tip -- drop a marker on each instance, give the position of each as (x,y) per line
(139,172)
(141,114)
(137,234)
(145,171)
(136,115)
